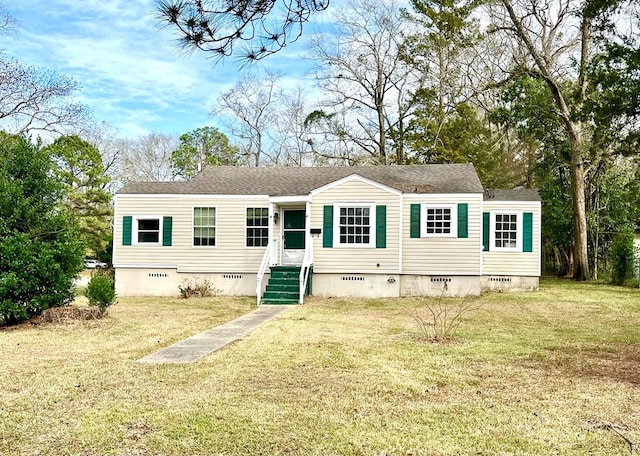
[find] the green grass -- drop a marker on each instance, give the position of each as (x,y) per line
(529,374)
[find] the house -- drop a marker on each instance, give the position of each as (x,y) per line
(372,231)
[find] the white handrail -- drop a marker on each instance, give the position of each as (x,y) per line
(305,267)
(266,261)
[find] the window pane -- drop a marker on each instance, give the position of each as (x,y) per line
(257,217)
(148,224)
(204,226)
(148,236)
(438,220)
(354,225)
(506,231)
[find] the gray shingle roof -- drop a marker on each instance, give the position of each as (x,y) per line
(296,181)
(516,194)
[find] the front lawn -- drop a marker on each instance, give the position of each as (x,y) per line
(529,374)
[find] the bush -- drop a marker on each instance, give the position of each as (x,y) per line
(101,290)
(440,317)
(622,258)
(40,249)
(191,288)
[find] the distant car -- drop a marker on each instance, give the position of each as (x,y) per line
(93,264)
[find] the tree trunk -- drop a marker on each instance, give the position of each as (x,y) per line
(580,252)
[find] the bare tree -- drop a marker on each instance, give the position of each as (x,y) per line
(290,136)
(367,83)
(7,21)
(35,99)
(105,138)
(149,158)
(261,27)
(250,107)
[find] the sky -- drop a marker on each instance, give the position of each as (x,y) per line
(131,74)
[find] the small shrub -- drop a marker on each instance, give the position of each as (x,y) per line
(622,258)
(192,288)
(101,290)
(440,317)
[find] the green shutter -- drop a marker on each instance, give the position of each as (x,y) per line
(327,227)
(486,220)
(463,220)
(127,222)
(414,225)
(527,235)
(381,227)
(167,226)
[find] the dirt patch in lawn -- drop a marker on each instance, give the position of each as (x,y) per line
(616,362)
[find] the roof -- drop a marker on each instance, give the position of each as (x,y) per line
(296,181)
(516,194)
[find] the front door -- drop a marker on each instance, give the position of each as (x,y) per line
(293,236)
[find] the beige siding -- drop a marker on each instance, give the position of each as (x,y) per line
(515,263)
(357,259)
(443,255)
(229,254)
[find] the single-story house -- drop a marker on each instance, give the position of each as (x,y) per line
(370,231)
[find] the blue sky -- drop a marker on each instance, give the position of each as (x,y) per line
(129,70)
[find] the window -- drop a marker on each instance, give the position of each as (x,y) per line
(506,226)
(204,226)
(356,226)
(147,230)
(439,220)
(257,227)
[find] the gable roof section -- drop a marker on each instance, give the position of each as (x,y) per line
(297,181)
(516,194)
(352,178)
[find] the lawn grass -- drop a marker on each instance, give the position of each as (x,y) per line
(529,374)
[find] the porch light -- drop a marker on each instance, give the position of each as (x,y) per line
(276,217)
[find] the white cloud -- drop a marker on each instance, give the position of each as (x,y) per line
(130,73)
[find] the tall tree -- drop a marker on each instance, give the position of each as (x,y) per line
(290,136)
(366,82)
(40,250)
(545,42)
(148,157)
(201,147)
(560,45)
(32,98)
(442,49)
(260,28)
(249,107)
(80,169)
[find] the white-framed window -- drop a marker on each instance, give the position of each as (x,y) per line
(506,230)
(146,229)
(204,226)
(257,227)
(438,220)
(356,225)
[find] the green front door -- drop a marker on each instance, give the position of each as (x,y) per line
(293,235)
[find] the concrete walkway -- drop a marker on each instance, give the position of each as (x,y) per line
(195,347)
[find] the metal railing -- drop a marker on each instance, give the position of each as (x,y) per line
(266,262)
(305,267)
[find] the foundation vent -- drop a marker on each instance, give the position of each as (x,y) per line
(231,276)
(159,275)
(440,279)
(500,279)
(352,278)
